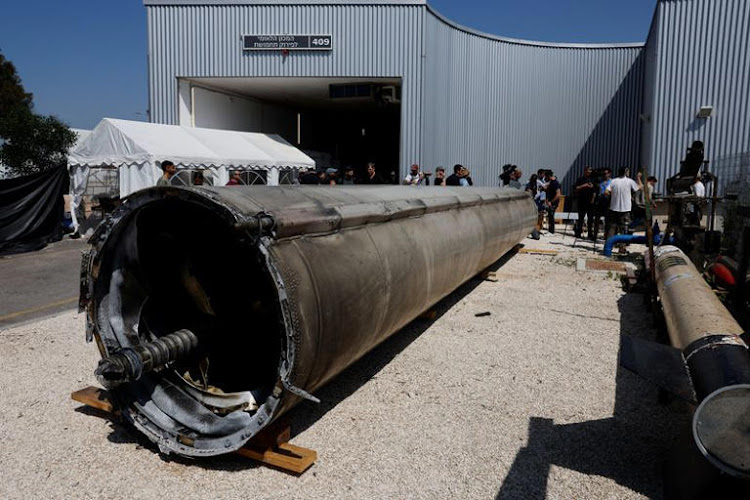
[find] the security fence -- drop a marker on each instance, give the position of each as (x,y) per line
(733,174)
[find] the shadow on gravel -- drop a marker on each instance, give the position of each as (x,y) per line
(306,413)
(122,432)
(628,448)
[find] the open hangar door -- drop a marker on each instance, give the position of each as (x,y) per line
(336,121)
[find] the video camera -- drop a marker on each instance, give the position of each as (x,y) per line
(689,168)
(507,171)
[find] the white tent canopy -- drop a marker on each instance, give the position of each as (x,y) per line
(137,149)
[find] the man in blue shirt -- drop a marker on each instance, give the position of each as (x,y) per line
(601,204)
(458,178)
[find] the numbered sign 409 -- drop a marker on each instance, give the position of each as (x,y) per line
(287,42)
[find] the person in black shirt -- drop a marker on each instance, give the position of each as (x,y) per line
(584,190)
(371,177)
(309,177)
(348,178)
(553,199)
(440,176)
(455,178)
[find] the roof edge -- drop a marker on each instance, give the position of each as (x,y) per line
(534,43)
(430,9)
(283,2)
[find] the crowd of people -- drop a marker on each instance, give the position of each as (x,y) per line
(621,201)
(346,176)
(618,201)
(598,196)
(415,177)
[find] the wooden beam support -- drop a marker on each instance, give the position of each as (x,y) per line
(538,251)
(270,447)
(95,398)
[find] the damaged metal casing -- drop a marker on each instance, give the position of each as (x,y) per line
(707,364)
(335,271)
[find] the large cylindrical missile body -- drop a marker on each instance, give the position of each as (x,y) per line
(284,286)
(716,357)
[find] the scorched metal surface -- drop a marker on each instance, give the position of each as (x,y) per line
(283,286)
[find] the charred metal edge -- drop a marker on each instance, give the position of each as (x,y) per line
(717,361)
(720,464)
(91,262)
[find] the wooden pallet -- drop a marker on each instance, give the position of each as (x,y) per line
(429,315)
(489,276)
(270,446)
(538,251)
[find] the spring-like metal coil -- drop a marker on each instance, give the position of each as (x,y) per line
(130,364)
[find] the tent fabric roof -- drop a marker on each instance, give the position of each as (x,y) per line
(81,135)
(122,143)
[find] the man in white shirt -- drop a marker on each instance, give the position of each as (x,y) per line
(699,189)
(693,209)
(415,177)
(620,190)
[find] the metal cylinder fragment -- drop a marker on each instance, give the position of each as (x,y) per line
(287,286)
(717,360)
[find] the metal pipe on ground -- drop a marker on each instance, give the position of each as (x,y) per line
(627,239)
(284,287)
(716,357)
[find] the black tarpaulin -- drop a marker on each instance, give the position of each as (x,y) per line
(31,210)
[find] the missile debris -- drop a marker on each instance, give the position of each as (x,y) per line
(708,362)
(217,310)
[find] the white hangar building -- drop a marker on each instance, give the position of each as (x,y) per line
(395,82)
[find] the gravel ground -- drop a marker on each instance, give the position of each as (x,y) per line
(527,402)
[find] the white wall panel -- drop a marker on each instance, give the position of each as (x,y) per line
(214,109)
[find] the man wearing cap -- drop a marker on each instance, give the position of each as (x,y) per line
(331,175)
(415,177)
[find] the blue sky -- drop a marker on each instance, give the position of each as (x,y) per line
(86,59)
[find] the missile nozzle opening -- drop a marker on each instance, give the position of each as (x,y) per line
(721,429)
(176,263)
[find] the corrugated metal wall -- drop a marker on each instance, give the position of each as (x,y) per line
(650,55)
(702,58)
(488,102)
(369,41)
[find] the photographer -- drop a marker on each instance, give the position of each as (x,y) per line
(416,177)
(440,176)
(505,177)
(515,178)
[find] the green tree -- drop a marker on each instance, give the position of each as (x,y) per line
(28,142)
(12,94)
